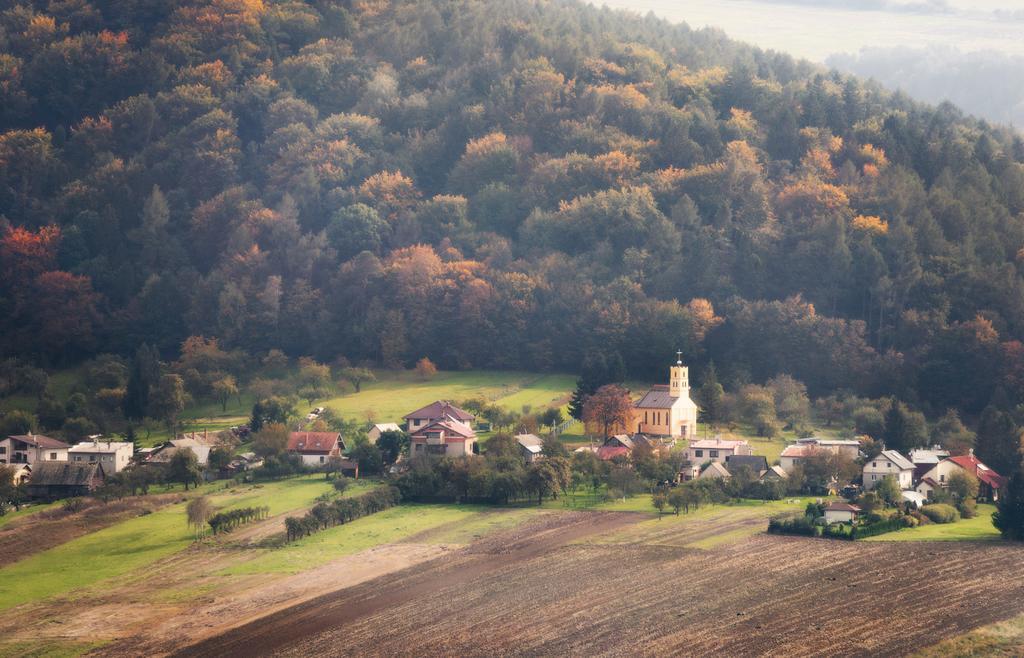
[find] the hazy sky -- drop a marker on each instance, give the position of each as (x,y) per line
(967,51)
(816,29)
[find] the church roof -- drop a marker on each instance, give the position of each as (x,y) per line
(656,398)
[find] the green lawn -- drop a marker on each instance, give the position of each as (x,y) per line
(979,528)
(136,543)
(461,523)
(397,393)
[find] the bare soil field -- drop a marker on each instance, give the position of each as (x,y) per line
(547,590)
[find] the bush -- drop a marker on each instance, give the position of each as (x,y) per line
(941,513)
(880,528)
(968,508)
(792,525)
(909,521)
(340,484)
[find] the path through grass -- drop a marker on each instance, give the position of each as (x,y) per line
(136,543)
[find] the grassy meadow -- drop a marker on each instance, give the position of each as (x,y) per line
(979,528)
(133,544)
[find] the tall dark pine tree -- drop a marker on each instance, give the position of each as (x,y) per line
(1009,514)
(998,443)
(143,376)
(709,396)
(596,371)
(904,429)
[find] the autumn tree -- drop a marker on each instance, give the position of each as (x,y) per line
(425,369)
(271,440)
(608,408)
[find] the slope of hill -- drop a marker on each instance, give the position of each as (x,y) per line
(505,184)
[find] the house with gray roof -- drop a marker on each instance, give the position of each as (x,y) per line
(889,463)
(54,480)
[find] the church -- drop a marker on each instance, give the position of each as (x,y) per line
(668,410)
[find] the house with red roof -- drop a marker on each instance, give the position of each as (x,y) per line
(444,438)
(794,455)
(32,449)
(990,483)
(436,412)
(315,448)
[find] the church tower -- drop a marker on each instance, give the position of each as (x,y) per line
(679,378)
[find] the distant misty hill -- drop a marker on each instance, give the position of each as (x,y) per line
(988,84)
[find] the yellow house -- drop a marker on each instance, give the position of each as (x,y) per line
(668,410)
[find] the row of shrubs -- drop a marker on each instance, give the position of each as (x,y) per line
(339,511)
(231,519)
(811,524)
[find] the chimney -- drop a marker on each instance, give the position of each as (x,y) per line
(970,451)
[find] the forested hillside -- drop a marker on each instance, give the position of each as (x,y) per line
(506,183)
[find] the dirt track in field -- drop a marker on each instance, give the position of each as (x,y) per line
(535,592)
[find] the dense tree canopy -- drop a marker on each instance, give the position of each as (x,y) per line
(508,184)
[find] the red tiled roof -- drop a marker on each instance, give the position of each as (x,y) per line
(313,441)
(610,452)
(438,410)
(712,444)
(40,441)
(799,451)
(837,506)
(461,432)
(975,467)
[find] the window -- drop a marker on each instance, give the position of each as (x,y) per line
(322,459)
(53,456)
(874,464)
(3,450)
(698,453)
(874,477)
(713,453)
(942,478)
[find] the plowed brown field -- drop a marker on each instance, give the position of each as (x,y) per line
(551,591)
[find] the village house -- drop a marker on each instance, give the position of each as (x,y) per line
(315,448)
(925,459)
(379,428)
(888,463)
(32,449)
(757,464)
(846,447)
(715,471)
(436,412)
(113,455)
(716,450)
(839,512)
(54,479)
(163,453)
(440,428)
(794,455)
(668,410)
(774,473)
(989,482)
(531,446)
